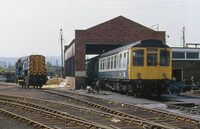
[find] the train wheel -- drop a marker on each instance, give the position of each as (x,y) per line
(159,91)
(138,91)
(26,86)
(135,94)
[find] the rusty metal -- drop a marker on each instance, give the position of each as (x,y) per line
(181,108)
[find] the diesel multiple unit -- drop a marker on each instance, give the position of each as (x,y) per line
(31,71)
(142,68)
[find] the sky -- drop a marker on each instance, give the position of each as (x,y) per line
(33,26)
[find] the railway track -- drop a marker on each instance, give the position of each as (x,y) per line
(191,110)
(43,117)
(23,119)
(124,115)
(131,111)
(9,121)
(130,122)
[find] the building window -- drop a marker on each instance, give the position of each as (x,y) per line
(138,57)
(192,55)
(180,55)
(164,58)
(152,59)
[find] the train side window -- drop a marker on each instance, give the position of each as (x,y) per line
(115,61)
(120,60)
(152,59)
(26,64)
(111,65)
(103,64)
(164,58)
(108,63)
(138,58)
(124,60)
(100,63)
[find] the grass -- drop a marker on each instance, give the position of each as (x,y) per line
(116,103)
(108,119)
(89,111)
(156,118)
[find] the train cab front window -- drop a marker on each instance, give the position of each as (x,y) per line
(164,58)
(138,58)
(151,59)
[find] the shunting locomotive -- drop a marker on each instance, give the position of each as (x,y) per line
(31,71)
(142,68)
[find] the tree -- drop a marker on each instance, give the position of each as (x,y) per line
(2,70)
(10,68)
(48,64)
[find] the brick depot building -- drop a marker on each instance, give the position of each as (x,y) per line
(101,38)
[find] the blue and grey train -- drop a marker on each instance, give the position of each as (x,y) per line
(142,68)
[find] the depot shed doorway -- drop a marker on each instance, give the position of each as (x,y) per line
(177,74)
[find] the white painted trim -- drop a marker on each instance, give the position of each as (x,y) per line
(117,67)
(185,50)
(80,74)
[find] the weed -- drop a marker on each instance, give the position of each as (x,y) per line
(89,111)
(116,102)
(108,119)
(156,118)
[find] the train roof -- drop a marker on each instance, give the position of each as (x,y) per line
(26,57)
(142,43)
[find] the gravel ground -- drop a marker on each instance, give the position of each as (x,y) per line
(13,89)
(8,123)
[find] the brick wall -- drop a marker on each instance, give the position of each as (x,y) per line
(118,30)
(185,64)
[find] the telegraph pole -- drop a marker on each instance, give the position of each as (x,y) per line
(183,36)
(61,39)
